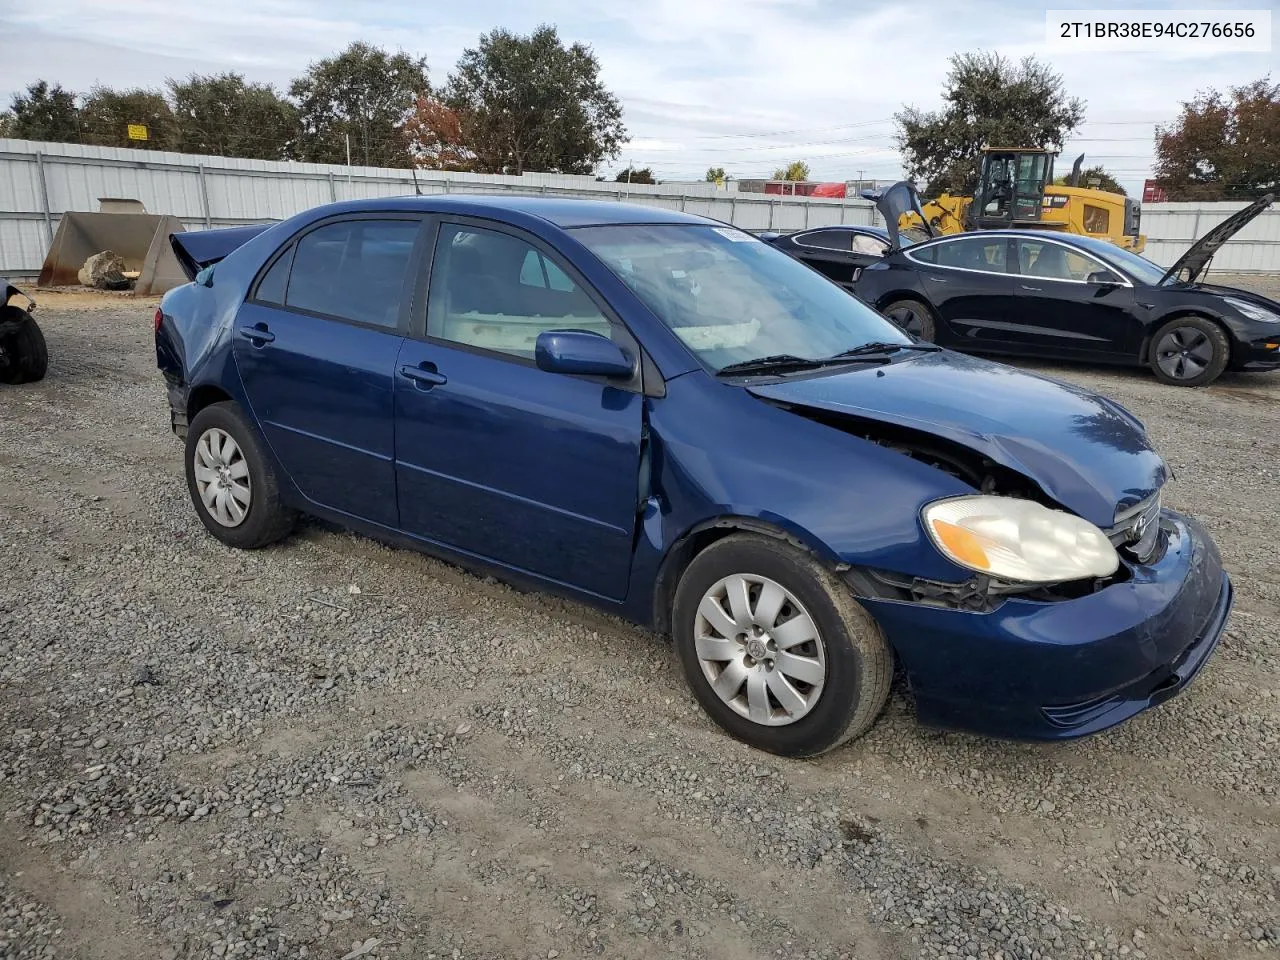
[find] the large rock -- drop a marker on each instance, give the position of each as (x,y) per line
(105,271)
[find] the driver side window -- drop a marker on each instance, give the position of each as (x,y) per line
(1056,261)
(495,291)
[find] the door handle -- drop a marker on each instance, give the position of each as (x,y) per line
(935,279)
(258,334)
(425,375)
(1023,286)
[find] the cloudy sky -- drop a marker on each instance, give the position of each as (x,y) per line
(743,84)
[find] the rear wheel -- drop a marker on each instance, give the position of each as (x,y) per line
(776,648)
(913,317)
(1189,352)
(232,483)
(24,357)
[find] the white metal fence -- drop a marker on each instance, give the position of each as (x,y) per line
(39,181)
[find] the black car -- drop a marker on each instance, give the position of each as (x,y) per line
(1056,295)
(839,252)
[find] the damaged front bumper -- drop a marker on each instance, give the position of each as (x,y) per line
(1049,670)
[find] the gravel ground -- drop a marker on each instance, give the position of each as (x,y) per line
(335,749)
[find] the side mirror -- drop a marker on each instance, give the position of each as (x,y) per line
(582,353)
(1103,278)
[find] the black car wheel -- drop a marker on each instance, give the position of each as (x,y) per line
(1189,352)
(24,358)
(232,483)
(913,317)
(776,648)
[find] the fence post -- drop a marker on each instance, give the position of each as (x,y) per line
(333,189)
(683,198)
(806,215)
(44,198)
(843,208)
(771,205)
(733,210)
(204,198)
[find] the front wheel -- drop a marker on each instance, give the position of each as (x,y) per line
(776,648)
(1189,352)
(913,317)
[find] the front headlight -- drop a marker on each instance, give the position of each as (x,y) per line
(1253,311)
(1019,540)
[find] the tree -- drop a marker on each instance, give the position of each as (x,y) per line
(796,170)
(435,137)
(531,103)
(988,100)
(44,112)
(224,116)
(107,115)
(632,175)
(716,174)
(1095,177)
(364,93)
(1223,147)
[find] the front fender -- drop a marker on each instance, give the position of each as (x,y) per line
(722,456)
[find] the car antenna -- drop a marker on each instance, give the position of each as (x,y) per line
(416,188)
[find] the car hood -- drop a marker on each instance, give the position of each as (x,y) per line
(1086,452)
(1213,289)
(1191,264)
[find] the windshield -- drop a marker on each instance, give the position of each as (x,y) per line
(1140,268)
(732,298)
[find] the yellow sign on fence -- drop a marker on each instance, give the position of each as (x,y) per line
(137,131)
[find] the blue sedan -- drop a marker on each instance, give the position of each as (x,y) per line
(676,422)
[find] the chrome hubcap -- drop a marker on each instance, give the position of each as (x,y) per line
(760,650)
(1184,353)
(222,477)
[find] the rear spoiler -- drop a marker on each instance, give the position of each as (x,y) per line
(197,249)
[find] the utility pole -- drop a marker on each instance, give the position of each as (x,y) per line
(631,164)
(348,136)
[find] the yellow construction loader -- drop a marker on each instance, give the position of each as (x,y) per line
(1016,190)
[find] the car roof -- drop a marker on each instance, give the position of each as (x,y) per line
(561,211)
(1068,238)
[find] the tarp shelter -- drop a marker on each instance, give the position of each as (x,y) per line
(140,239)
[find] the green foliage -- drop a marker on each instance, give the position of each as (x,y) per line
(716,174)
(532,103)
(107,114)
(1095,177)
(43,112)
(363,93)
(223,116)
(796,170)
(633,175)
(1223,147)
(991,101)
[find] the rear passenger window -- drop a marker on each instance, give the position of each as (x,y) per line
(972,254)
(498,292)
(826,239)
(354,270)
(271,286)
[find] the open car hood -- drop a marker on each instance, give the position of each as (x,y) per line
(1085,452)
(892,202)
(197,249)
(1191,264)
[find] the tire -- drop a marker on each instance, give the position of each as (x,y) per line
(24,357)
(1189,352)
(913,317)
(243,474)
(835,684)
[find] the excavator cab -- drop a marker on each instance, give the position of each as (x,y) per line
(1011,187)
